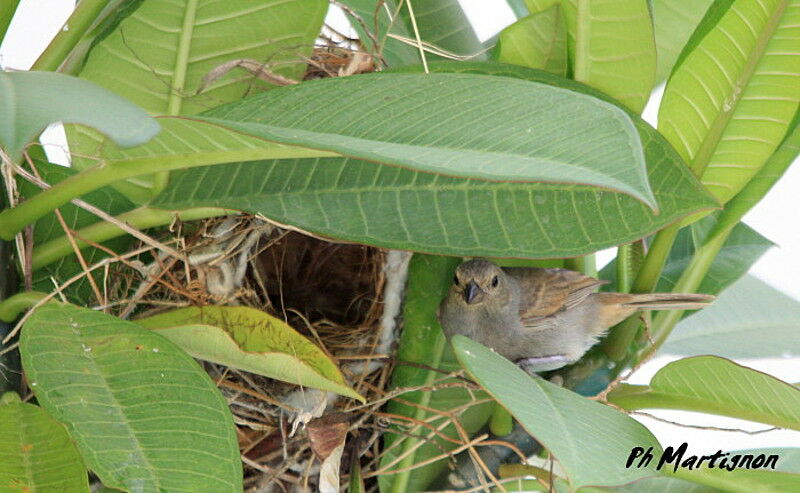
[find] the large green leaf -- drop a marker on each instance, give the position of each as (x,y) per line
(749,320)
(715,385)
(729,102)
(29,101)
(159,55)
(536,41)
(673,23)
(365,202)
(36,452)
(251,340)
(591,441)
(442,123)
(143,414)
(422,342)
(168,57)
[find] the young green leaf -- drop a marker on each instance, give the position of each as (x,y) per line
(614,48)
(251,340)
(715,385)
(673,23)
(536,41)
(592,442)
(143,414)
(730,101)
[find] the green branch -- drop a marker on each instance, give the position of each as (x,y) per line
(76,27)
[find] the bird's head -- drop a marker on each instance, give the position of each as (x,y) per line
(480,283)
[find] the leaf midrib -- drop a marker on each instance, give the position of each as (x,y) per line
(175,99)
(706,150)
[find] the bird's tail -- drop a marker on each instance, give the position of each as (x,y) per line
(668,301)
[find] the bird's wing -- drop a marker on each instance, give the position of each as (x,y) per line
(545,292)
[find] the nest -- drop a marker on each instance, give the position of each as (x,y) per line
(330,292)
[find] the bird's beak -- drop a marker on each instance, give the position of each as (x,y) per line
(471,291)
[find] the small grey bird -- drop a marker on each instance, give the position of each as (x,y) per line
(542,319)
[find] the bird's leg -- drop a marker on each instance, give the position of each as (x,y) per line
(543,363)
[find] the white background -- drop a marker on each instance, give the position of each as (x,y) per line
(776,217)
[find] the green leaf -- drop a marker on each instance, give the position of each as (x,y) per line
(763,181)
(368,203)
(741,250)
(422,342)
(143,414)
(521,135)
(591,441)
(158,55)
(715,385)
(614,48)
(251,340)
(673,23)
(49,228)
(37,452)
(29,101)
(750,310)
(729,103)
(536,41)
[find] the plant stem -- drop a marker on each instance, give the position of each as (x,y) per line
(7,10)
(619,339)
(81,20)
(141,218)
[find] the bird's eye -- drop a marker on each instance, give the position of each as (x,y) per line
(455,280)
(495,281)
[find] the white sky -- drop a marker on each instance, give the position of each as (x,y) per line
(775,217)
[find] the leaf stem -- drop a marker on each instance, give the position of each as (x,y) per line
(13,306)
(81,20)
